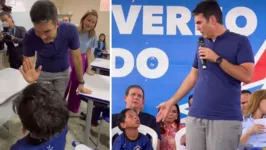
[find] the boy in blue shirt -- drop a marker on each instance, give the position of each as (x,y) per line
(43,114)
(130,139)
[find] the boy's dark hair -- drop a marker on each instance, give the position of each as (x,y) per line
(134,86)
(245,92)
(121,118)
(43,11)
(209,8)
(42,110)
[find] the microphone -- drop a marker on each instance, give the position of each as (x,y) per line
(201,44)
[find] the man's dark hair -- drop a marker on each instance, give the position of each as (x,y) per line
(121,118)
(245,92)
(134,86)
(43,11)
(42,110)
(3,13)
(209,8)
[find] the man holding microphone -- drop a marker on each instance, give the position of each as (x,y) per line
(214,121)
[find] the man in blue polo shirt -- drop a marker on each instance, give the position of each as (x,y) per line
(214,119)
(52,41)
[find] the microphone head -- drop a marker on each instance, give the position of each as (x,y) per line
(201,41)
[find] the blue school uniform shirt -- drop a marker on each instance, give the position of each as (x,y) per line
(257,140)
(86,42)
(56,143)
(123,143)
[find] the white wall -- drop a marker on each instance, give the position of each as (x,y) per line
(21,13)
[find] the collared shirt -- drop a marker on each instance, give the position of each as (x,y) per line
(53,56)
(216,93)
(257,140)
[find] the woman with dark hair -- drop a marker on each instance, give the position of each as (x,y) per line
(98,53)
(169,127)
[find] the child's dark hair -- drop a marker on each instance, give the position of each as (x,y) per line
(177,121)
(42,110)
(121,118)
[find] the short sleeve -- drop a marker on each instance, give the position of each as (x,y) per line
(195,62)
(28,49)
(94,43)
(245,53)
(74,39)
(117,143)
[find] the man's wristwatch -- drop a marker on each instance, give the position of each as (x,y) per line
(219,60)
(82,82)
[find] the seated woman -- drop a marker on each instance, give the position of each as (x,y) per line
(169,127)
(101,49)
(254,133)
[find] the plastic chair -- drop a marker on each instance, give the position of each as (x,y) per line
(142,129)
(178,137)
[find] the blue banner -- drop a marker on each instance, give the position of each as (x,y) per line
(154,43)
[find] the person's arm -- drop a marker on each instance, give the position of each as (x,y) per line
(247,132)
(92,47)
(245,136)
(89,57)
(244,67)
(19,39)
(28,50)
(245,60)
(186,86)
(74,45)
(77,61)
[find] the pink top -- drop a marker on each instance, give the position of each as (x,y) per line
(168,138)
